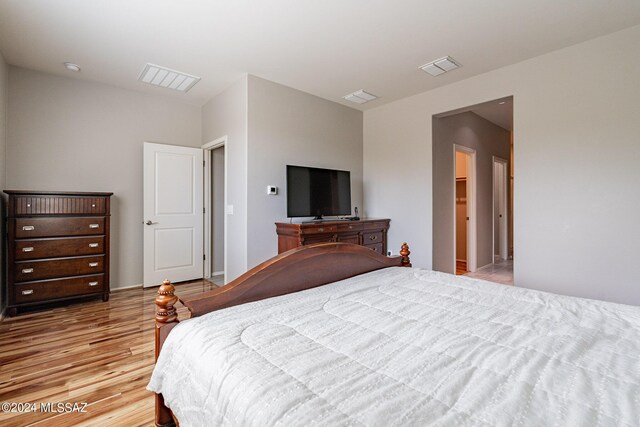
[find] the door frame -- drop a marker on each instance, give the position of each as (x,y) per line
(504,229)
(208,211)
(472,236)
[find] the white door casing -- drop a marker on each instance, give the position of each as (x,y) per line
(472,237)
(173,218)
(500,189)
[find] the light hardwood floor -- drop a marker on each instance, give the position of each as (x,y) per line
(500,272)
(94,352)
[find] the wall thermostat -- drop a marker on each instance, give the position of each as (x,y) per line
(272,190)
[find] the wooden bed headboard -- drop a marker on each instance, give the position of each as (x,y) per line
(301,268)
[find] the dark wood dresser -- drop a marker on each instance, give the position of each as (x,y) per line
(58,247)
(371,233)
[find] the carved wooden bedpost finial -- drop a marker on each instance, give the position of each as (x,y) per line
(165,312)
(404,251)
(166,319)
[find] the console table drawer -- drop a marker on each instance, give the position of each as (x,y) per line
(49,269)
(60,288)
(58,226)
(50,248)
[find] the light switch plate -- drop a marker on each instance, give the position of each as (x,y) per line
(229,209)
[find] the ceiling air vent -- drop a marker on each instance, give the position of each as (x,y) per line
(167,78)
(360,97)
(440,66)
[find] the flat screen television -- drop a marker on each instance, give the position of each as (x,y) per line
(317,192)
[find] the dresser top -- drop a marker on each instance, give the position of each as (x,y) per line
(57,193)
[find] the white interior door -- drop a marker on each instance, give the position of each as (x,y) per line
(173,217)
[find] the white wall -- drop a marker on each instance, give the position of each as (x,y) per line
(287,126)
(226,115)
(4,97)
(576,133)
(71,135)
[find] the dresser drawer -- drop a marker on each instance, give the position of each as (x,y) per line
(375,225)
(59,205)
(61,267)
(54,227)
(50,248)
(318,229)
(59,288)
(319,238)
(369,238)
(376,248)
(350,227)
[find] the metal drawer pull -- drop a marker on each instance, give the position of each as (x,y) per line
(93,283)
(93,264)
(27,292)
(28,228)
(28,249)
(94,225)
(321,229)
(93,245)
(27,270)
(93,205)
(373,237)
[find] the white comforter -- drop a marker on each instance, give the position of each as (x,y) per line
(400,347)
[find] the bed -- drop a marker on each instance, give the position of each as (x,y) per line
(335,334)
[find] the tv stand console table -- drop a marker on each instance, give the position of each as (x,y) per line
(371,233)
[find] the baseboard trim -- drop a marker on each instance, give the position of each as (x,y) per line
(218,273)
(124,288)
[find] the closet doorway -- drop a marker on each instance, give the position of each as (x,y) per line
(465,209)
(215,200)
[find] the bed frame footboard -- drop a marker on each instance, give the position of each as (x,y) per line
(301,268)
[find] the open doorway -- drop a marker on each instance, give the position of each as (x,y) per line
(215,190)
(484,133)
(464,224)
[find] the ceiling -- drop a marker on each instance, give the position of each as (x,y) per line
(499,112)
(328,48)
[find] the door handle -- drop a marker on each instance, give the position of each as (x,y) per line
(149,222)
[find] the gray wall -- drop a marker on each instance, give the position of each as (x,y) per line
(287,126)
(576,147)
(226,115)
(4,98)
(472,131)
(217,202)
(68,134)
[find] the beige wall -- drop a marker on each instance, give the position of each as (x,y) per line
(67,134)
(4,97)
(472,131)
(217,215)
(287,126)
(576,147)
(226,115)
